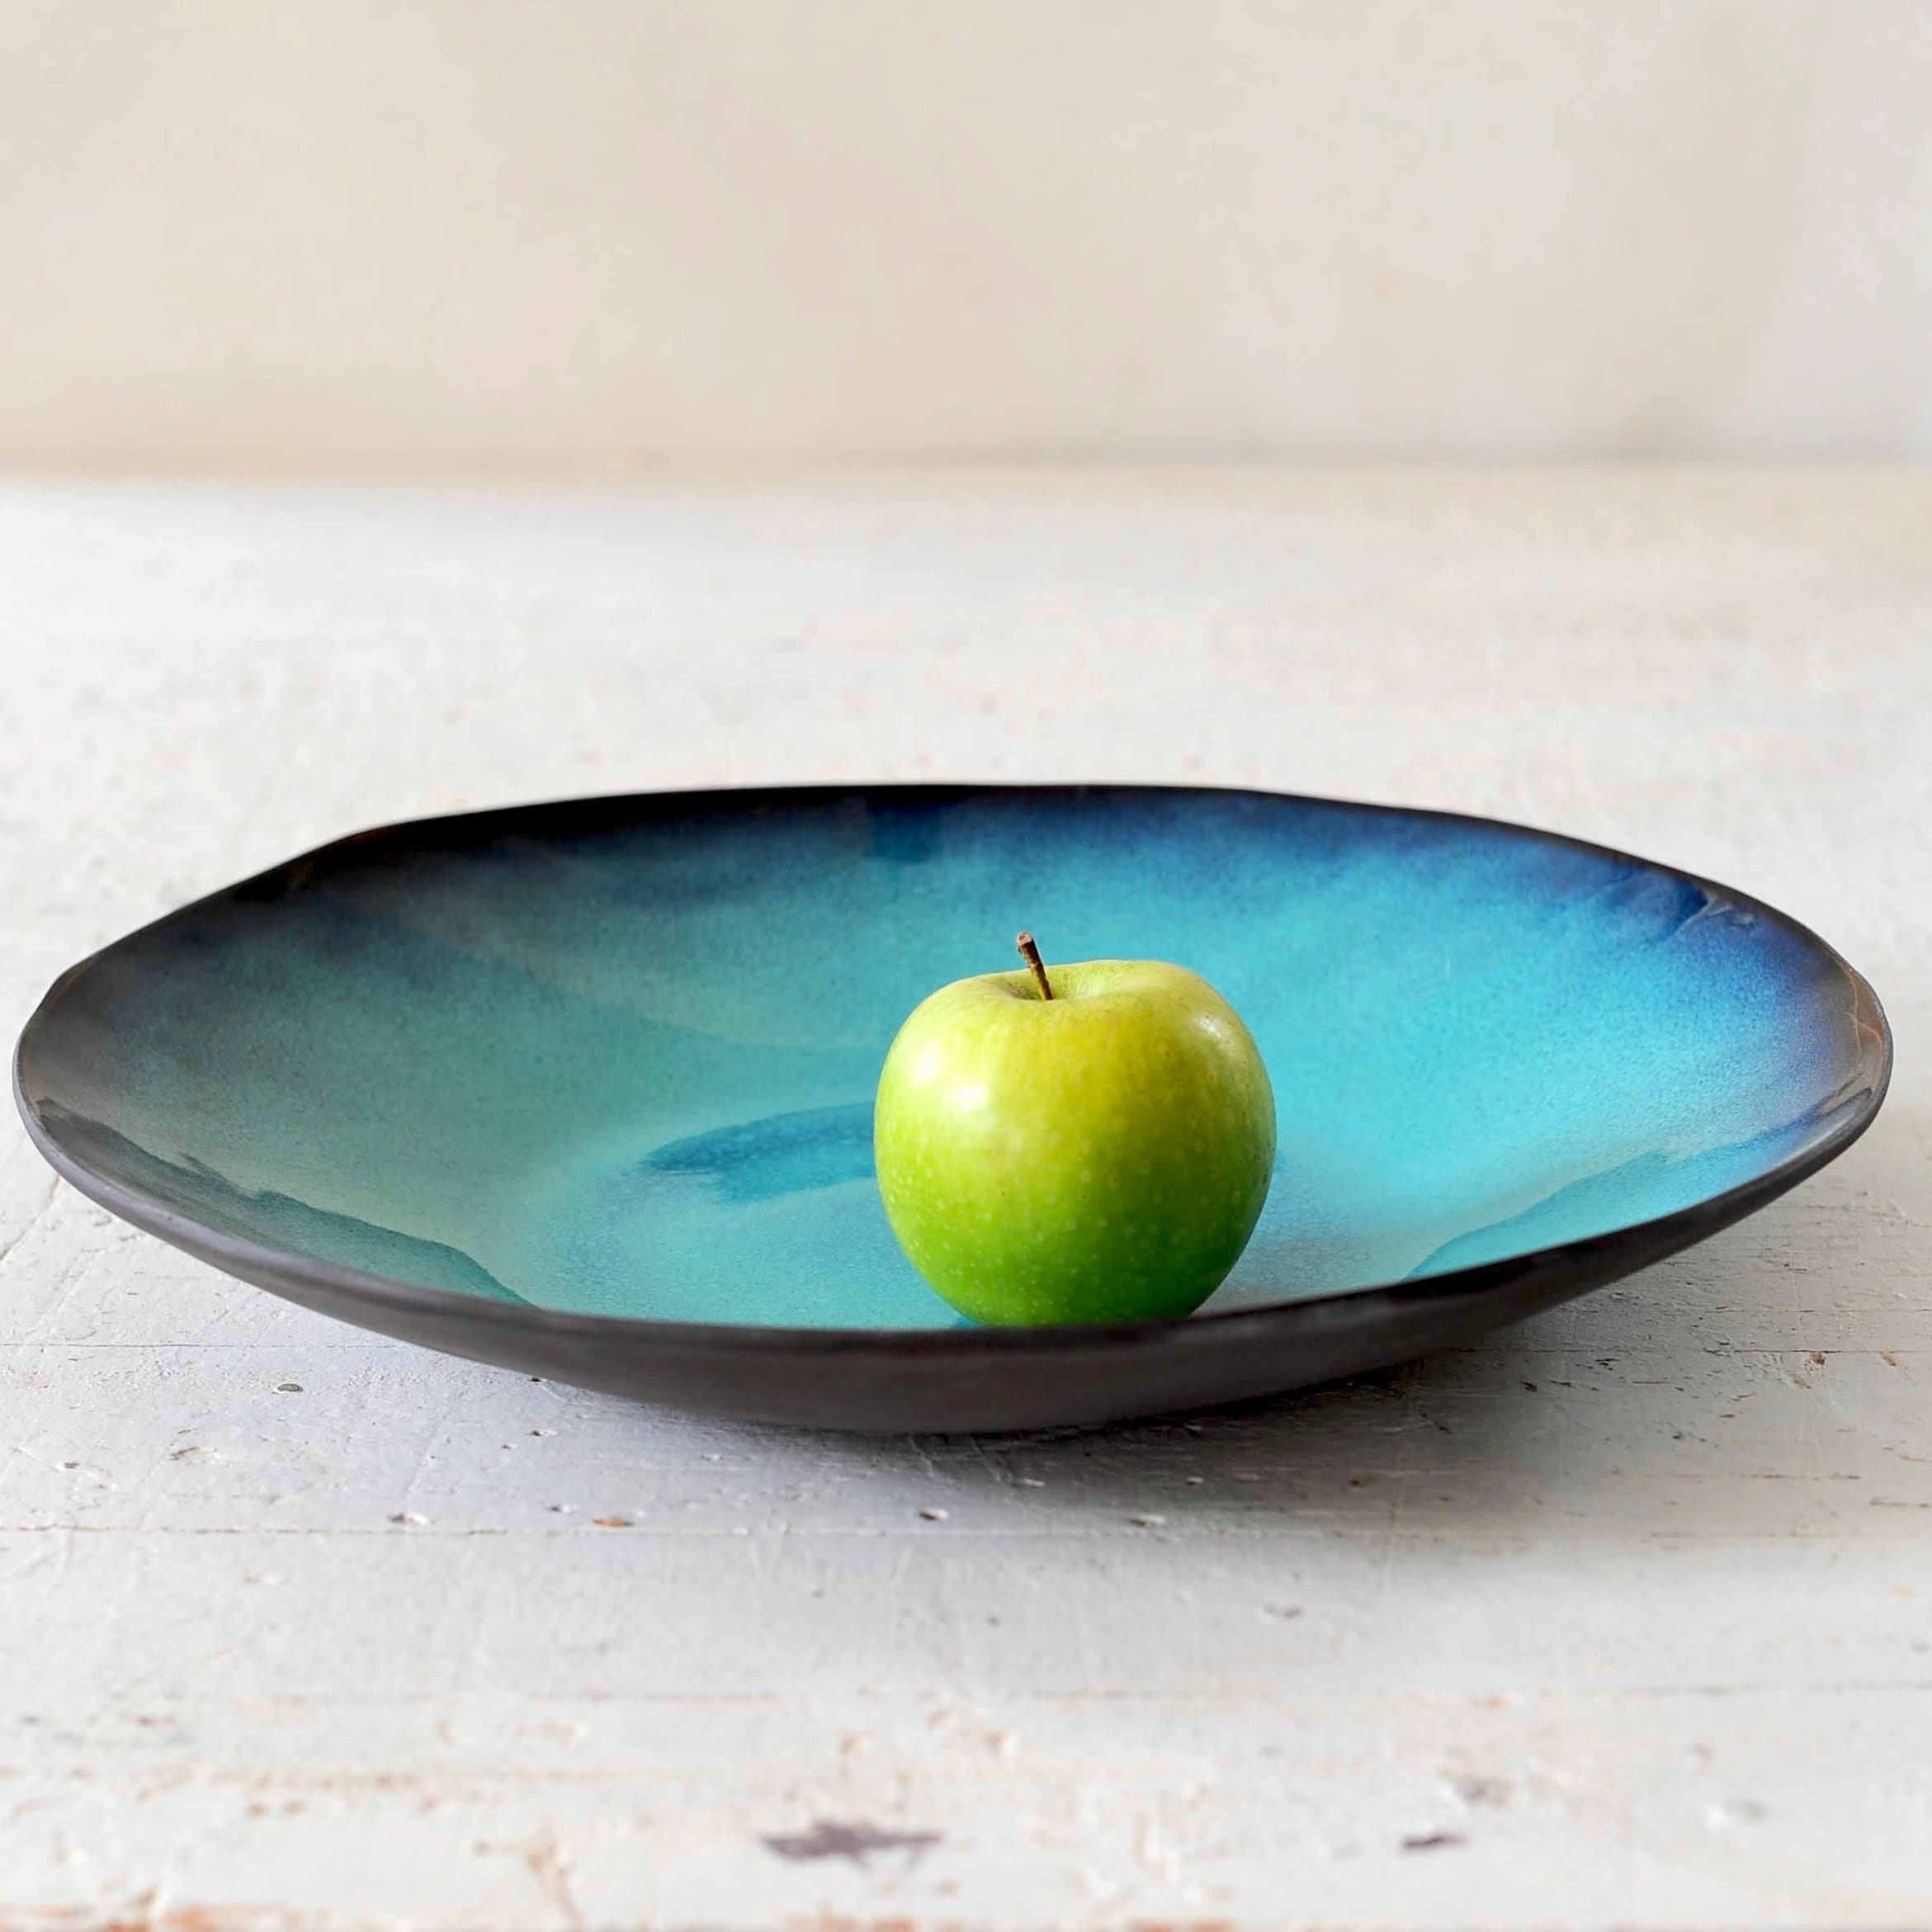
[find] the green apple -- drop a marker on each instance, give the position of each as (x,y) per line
(1093,1146)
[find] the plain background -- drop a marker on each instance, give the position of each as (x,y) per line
(422,236)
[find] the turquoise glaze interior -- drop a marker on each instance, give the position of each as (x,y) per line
(627,1068)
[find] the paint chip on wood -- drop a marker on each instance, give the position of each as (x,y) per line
(829,1838)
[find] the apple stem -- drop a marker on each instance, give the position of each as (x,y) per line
(1031,954)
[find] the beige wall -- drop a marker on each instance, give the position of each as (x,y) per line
(347,234)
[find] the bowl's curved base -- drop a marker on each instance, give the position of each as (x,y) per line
(989,1381)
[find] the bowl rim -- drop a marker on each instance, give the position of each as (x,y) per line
(1864,1088)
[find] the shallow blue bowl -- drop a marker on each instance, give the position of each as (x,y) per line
(586,1088)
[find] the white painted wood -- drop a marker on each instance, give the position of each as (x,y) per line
(1622,1617)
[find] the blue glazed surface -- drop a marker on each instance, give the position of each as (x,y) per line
(628,1070)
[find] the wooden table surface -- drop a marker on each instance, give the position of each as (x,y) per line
(1622,1617)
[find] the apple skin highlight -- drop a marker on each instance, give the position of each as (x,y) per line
(1100,1155)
